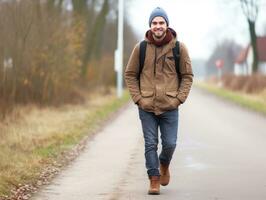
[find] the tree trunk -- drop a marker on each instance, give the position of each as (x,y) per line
(79,6)
(94,39)
(253,39)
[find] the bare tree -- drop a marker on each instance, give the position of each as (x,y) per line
(250,9)
(227,51)
(45,48)
(94,39)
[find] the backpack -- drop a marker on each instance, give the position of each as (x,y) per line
(142,54)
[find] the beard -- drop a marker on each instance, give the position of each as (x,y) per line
(159,33)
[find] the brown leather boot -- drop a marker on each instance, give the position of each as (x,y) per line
(165,174)
(154,185)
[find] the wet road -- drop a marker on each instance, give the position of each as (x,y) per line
(220,156)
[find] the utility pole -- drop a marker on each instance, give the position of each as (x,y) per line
(119,50)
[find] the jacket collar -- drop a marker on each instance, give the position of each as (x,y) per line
(168,37)
(169,46)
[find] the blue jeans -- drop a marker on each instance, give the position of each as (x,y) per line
(168,124)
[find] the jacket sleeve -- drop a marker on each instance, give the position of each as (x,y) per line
(186,74)
(131,74)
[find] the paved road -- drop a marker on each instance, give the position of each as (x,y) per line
(221,155)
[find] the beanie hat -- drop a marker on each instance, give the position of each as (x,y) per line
(158,12)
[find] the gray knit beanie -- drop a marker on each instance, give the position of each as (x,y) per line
(158,12)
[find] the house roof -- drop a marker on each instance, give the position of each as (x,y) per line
(261,46)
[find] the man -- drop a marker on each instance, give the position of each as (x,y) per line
(157,91)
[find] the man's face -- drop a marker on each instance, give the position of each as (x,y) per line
(158,27)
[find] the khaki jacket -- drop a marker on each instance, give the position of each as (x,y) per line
(159,90)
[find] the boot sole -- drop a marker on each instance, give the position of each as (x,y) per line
(154,193)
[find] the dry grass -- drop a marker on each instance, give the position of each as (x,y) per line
(253,84)
(31,136)
(254,101)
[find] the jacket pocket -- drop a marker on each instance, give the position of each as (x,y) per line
(171,93)
(147,100)
(171,57)
(172,99)
(146,93)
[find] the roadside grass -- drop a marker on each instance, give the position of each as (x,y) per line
(34,137)
(256,102)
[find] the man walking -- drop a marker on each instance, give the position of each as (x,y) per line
(158,88)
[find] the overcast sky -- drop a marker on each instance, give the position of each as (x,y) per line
(199,24)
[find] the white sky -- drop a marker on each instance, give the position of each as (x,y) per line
(200,24)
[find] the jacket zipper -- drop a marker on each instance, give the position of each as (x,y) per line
(163,63)
(155,59)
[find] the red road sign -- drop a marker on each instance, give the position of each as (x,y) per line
(219,63)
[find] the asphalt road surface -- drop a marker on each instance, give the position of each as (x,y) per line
(221,155)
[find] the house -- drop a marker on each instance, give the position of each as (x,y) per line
(243,62)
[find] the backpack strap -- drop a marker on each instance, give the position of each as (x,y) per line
(176,53)
(142,54)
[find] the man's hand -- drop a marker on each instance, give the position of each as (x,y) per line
(139,102)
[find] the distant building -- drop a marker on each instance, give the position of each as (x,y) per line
(243,62)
